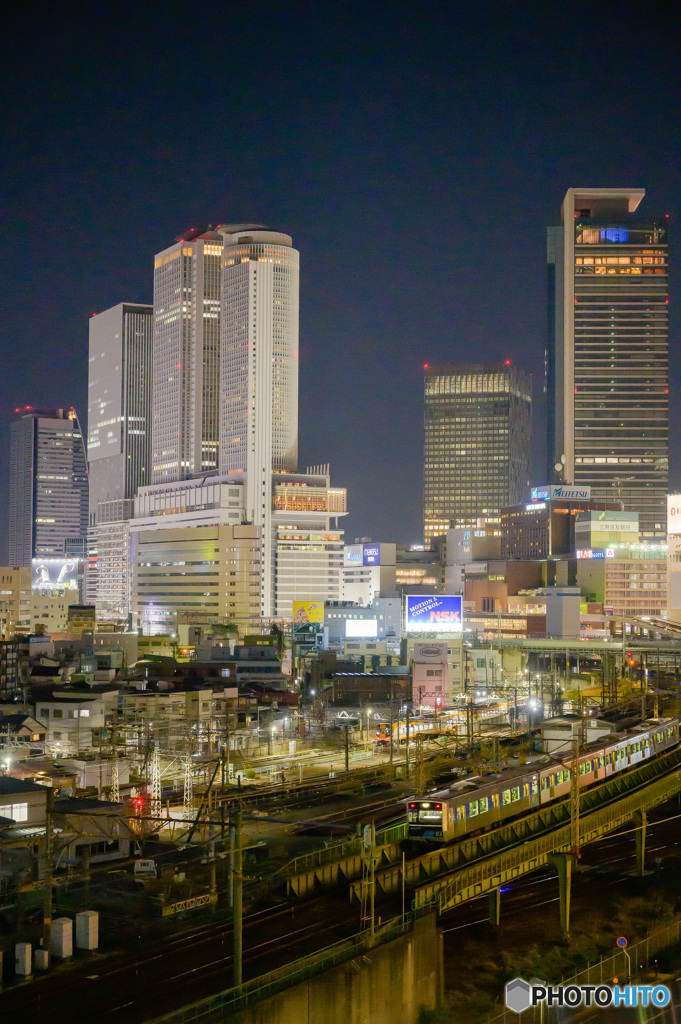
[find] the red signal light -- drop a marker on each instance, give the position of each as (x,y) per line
(412,806)
(438,807)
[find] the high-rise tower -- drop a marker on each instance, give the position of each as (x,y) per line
(48,486)
(119,402)
(186,358)
(607,359)
(119,447)
(478,431)
(259,369)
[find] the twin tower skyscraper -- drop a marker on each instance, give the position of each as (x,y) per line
(204,382)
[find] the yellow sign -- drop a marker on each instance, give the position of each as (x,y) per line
(308,612)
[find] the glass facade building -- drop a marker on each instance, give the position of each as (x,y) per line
(607,359)
(48,490)
(478,427)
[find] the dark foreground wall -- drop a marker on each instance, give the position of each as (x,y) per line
(388,985)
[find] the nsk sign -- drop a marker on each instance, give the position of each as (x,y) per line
(433,614)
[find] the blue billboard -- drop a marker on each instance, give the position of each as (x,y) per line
(371,554)
(434,614)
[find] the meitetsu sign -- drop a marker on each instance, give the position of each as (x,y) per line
(556,492)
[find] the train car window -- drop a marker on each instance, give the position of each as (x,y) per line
(601,761)
(534,787)
(483,804)
(506,796)
(472,808)
(515,793)
(544,782)
(461,813)
(495,799)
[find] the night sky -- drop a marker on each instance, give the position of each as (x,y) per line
(414,152)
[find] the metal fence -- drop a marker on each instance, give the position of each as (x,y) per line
(213,1009)
(637,957)
(335,851)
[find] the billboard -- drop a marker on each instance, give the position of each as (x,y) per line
(54,575)
(433,614)
(353,554)
(674,513)
(552,492)
(366,628)
(307,613)
(430,653)
(371,554)
(592,553)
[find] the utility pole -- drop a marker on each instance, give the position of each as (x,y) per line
(237,915)
(391,724)
(407,745)
(47,872)
(347,748)
(574,796)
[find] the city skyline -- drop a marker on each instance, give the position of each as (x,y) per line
(381,294)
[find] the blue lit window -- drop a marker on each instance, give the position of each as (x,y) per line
(614,235)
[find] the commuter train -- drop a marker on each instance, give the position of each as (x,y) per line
(447,723)
(480,803)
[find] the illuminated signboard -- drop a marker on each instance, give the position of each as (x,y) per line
(366,628)
(554,492)
(307,613)
(433,614)
(54,575)
(371,554)
(674,513)
(591,553)
(353,554)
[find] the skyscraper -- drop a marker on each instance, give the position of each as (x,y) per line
(607,359)
(478,428)
(186,358)
(259,370)
(119,448)
(48,486)
(119,402)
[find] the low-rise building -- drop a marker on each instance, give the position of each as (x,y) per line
(15,601)
(628,581)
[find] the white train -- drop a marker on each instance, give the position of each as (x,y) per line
(480,803)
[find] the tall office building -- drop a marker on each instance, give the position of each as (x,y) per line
(119,402)
(478,427)
(186,358)
(607,360)
(119,448)
(259,371)
(48,492)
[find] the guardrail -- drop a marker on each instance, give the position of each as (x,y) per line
(337,851)
(213,1009)
(453,888)
(602,972)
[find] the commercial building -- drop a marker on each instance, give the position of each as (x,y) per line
(119,402)
(628,581)
(345,621)
(48,489)
(212,570)
(607,362)
(674,557)
(305,544)
(544,528)
(186,357)
(369,569)
(15,601)
(259,372)
(478,426)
